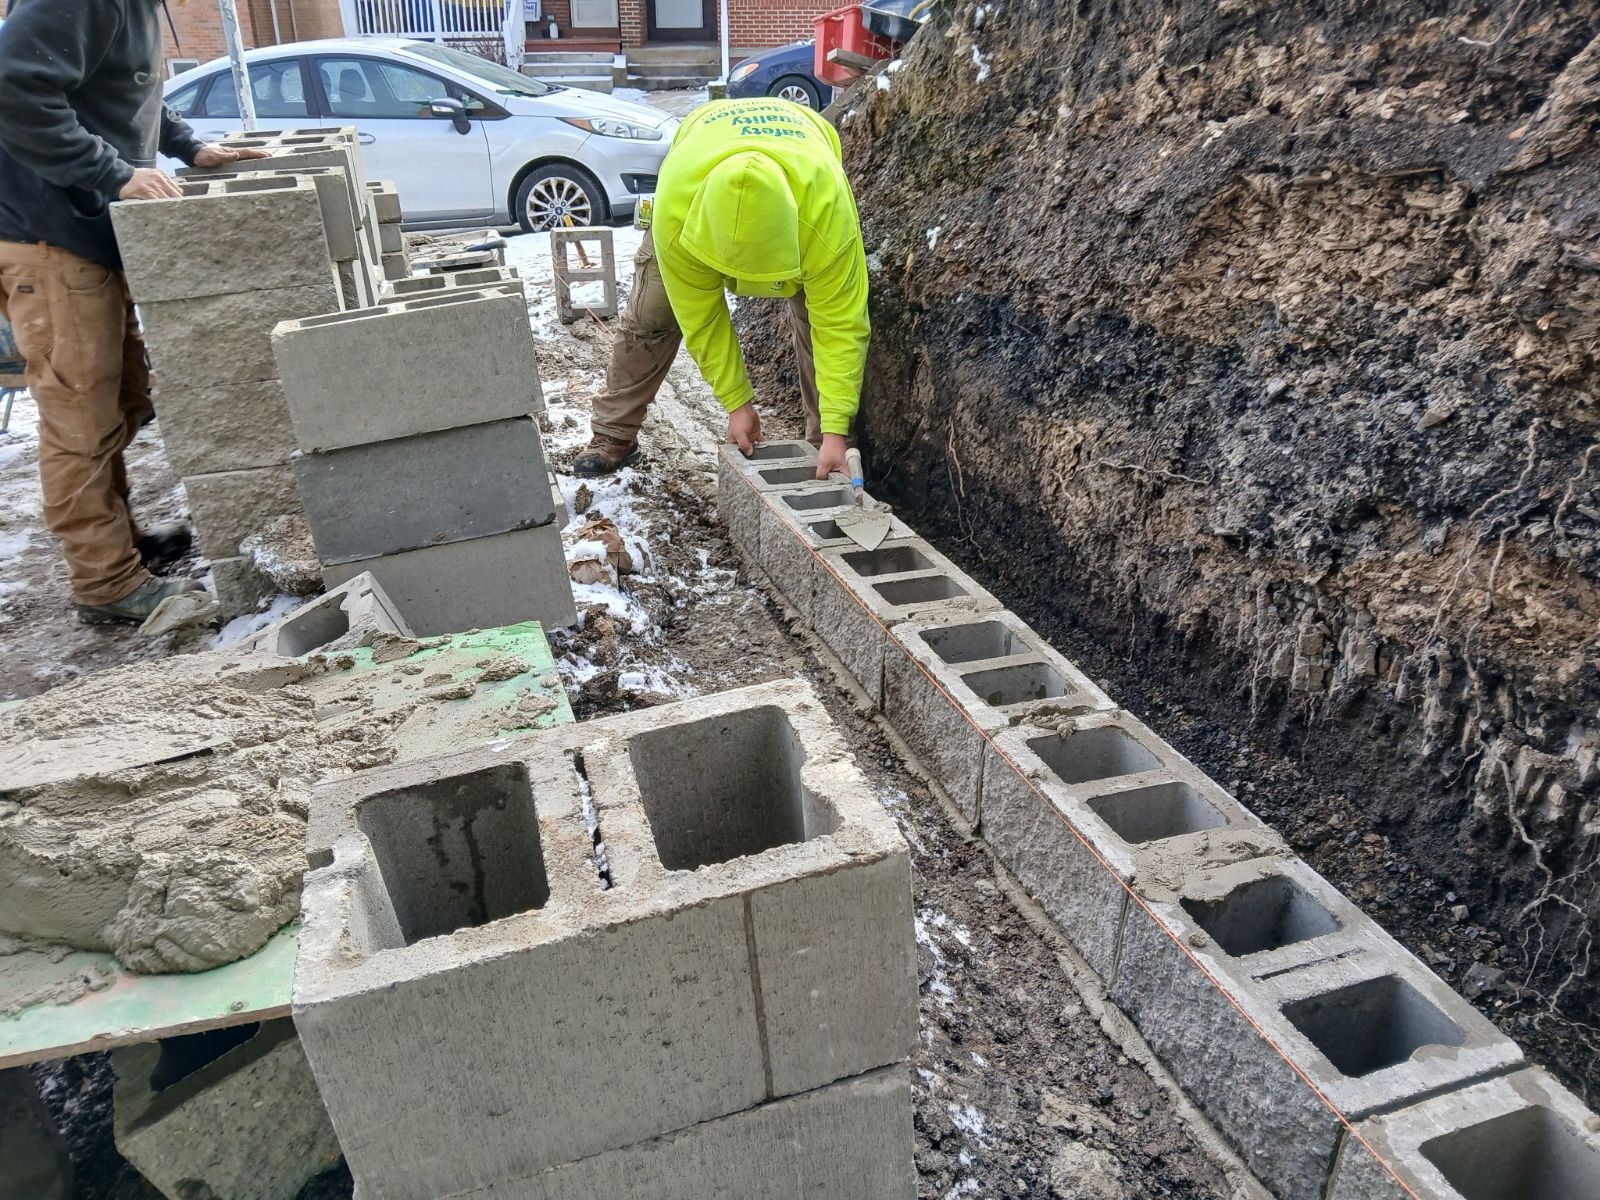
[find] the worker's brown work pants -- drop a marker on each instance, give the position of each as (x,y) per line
(74,324)
(647,340)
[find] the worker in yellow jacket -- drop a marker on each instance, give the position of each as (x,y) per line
(752,200)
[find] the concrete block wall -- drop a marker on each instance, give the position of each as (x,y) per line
(1283,1010)
(492,1009)
(213,273)
(420,460)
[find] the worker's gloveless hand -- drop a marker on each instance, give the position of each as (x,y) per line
(830,458)
(744,428)
(213,155)
(149,184)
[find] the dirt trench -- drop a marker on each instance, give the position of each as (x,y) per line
(1250,351)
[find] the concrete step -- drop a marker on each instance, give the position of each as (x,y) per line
(669,83)
(589,83)
(574,70)
(686,52)
(598,57)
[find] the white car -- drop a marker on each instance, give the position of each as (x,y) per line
(465,140)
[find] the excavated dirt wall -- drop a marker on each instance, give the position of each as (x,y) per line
(1257,346)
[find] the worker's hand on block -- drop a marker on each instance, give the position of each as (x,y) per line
(830,458)
(744,428)
(213,155)
(150,184)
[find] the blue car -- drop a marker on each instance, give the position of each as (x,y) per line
(785,73)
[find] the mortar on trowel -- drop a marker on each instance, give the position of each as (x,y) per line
(867,523)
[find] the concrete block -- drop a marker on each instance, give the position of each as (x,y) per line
(446,486)
(950,684)
(293,150)
(396,267)
(455,281)
(224,235)
(385,201)
(756,937)
(343,211)
(1373,1030)
(227,427)
(584,255)
(860,594)
(349,615)
(476,584)
(1505,1139)
(226,339)
(230,1112)
(847,1141)
(791,541)
(389,240)
(358,285)
(447,262)
(1078,811)
(240,586)
(408,367)
(228,506)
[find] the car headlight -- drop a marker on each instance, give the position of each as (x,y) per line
(611,127)
(743,71)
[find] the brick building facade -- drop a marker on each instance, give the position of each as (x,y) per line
(753,24)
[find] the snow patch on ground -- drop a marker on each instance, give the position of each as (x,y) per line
(236,630)
(981,61)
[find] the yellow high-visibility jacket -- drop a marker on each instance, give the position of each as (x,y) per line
(753,199)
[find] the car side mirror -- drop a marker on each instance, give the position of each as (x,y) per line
(452,110)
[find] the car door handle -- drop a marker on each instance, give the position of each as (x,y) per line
(366,139)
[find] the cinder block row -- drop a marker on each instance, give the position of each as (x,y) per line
(230,1112)
(1520,1136)
(224,235)
(228,506)
(740,507)
(348,615)
(396,267)
(847,1141)
(407,493)
(951,684)
(478,1008)
(294,149)
(385,199)
(408,367)
(475,584)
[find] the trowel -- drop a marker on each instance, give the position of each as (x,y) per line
(867,524)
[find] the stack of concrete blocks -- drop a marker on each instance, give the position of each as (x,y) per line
(227,1112)
(1244,970)
(566,242)
(417,287)
(467,251)
(352,614)
(421,461)
(391,242)
(212,274)
(334,156)
(717,1004)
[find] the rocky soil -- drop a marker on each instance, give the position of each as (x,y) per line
(1250,350)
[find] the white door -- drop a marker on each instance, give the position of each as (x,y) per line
(439,170)
(594,14)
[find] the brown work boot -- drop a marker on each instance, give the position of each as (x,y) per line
(138,604)
(604,456)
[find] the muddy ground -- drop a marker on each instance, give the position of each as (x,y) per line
(1265,386)
(1020,1090)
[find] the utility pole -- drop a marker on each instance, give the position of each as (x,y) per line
(241,75)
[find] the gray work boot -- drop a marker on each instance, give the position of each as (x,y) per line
(138,604)
(604,456)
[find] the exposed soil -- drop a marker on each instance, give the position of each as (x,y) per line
(1265,387)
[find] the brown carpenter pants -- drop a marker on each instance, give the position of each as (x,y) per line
(647,340)
(74,324)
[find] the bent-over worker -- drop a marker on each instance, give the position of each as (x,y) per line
(753,200)
(81,119)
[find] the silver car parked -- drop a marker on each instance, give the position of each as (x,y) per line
(465,140)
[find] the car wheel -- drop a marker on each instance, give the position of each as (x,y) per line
(551,194)
(797,89)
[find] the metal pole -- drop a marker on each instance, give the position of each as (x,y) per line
(241,74)
(724,5)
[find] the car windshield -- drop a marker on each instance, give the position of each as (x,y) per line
(502,80)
